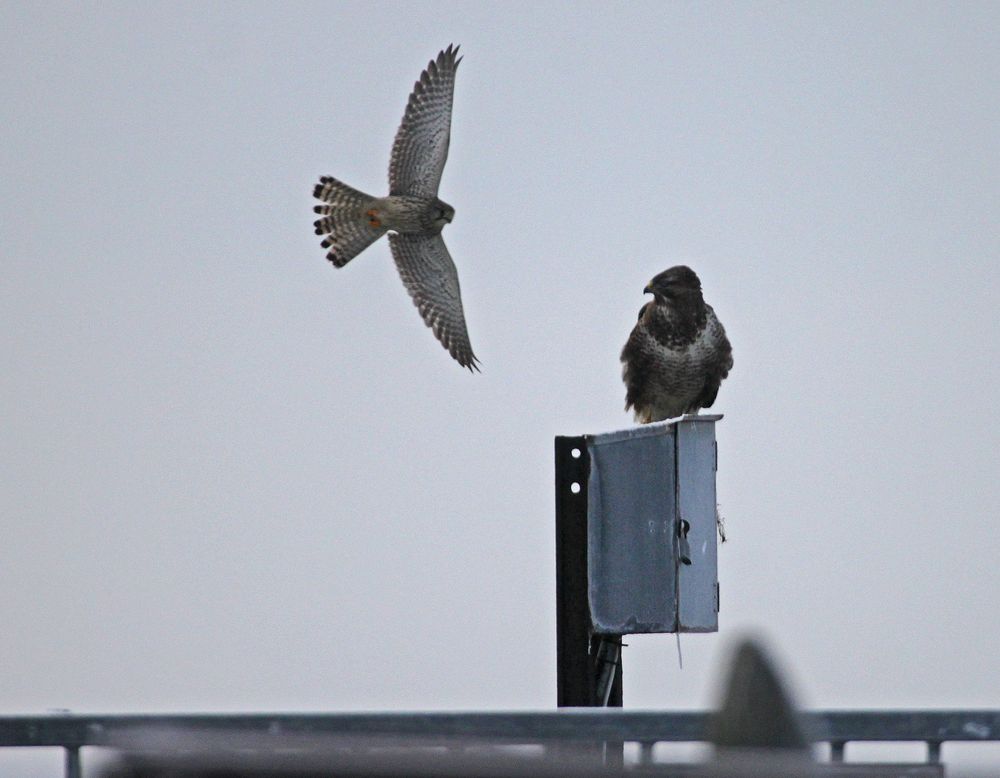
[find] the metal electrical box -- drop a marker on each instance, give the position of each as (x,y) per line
(642,500)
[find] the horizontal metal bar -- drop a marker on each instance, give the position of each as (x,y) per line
(572,724)
(927,725)
(565,724)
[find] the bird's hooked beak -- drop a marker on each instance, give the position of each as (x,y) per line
(648,289)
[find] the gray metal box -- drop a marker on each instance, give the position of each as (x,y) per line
(651,527)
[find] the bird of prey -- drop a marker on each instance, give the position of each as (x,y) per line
(677,354)
(412,213)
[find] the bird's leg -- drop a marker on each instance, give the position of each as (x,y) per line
(373,221)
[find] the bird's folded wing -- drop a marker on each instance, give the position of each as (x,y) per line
(421,146)
(431,279)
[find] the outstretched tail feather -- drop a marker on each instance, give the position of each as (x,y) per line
(325,225)
(330,190)
(344,223)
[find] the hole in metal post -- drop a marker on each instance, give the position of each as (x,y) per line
(574,487)
(575,453)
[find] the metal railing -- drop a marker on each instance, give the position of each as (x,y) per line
(73,732)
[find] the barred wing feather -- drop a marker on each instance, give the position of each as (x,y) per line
(430,277)
(421,145)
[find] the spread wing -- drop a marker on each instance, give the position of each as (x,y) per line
(421,146)
(431,279)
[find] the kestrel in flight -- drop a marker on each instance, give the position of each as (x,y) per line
(412,213)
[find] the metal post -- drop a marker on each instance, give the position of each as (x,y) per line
(73,762)
(577,648)
(574,679)
(582,658)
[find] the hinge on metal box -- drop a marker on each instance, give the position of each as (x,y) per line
(716,596)
(715,465)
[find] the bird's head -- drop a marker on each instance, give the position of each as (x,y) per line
(676,283)
(443,213)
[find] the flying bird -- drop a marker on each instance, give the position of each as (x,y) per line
(412,213)
(678,353)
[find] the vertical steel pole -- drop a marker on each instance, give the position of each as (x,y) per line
(578,669)
(73,762)
(575,676)
(582,657)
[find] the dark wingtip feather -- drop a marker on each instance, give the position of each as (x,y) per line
(446,56)
(467,360)
(336,260)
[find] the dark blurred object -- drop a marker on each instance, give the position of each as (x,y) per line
(757,730)
(756,710)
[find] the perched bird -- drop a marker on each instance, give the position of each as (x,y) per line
(412,213)
(678,353)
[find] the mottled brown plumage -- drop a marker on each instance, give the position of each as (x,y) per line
(412,212)
(677,354)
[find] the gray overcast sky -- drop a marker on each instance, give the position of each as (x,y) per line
(235,478)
